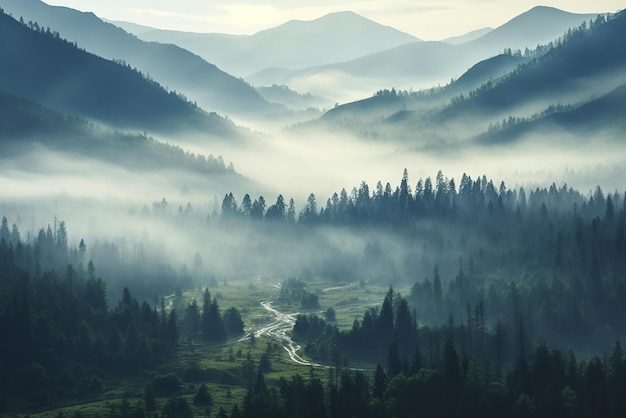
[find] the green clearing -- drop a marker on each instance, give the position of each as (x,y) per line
(220,366)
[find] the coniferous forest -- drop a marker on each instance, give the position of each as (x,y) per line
(527,324)
(447,240)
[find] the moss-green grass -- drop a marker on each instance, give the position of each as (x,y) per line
(223,363)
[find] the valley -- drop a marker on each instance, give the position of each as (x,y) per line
(330,216)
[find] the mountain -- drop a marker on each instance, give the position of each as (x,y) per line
(538,25)
(292,99)
(26,128)
(424,64)
(604,116)
(170,65)
(469,36)
(562,79)
(295,44)
(132,28)
(388,102)
(486,70)
(589,63)
(385,103)
(39,66)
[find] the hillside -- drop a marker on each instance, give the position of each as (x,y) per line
(589,63)
(538,25)
(170,65)
(604,116)
(292,99)
(41,67)
(467,37)
(424,64)
(508,86)
(486,70)
(384,103)
(295,44)
(24,124)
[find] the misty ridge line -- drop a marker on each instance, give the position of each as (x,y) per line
(476,103)
(60,132)
(126,97)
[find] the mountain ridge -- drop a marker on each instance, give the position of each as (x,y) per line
(424,64)
(41,67)
(170,65)
(289,44)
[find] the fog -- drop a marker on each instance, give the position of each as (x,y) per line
(108,202)
(142,206)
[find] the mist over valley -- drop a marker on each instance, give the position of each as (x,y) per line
(329,217)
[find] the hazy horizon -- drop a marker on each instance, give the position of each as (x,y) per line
(427,21)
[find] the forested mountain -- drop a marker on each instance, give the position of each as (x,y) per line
(537,26)
(489,69)
(423,64)
(602,117)
(292,99)
(507,90)
(170,65)
(559,76)
(295,44)
(388,102)
(38,65)
(24,124)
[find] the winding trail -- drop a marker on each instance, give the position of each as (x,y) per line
(278,329)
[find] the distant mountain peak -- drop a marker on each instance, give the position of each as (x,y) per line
(344,20)
(543,12)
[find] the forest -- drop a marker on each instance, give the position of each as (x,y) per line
(142,276)
(520,312)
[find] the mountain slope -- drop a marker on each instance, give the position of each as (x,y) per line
(424,64)
(486,70)
(605,115)
(384,103)
(538,25)
(469,36)
(43,68)
(295,44)
(24,124)
(589,63)
(170,65)
(292,99)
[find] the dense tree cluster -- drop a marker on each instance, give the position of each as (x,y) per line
(209,324)
(61,337)
(543,383)
(460,369)
(293,290)
(437,198)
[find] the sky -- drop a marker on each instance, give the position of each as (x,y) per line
(425,19)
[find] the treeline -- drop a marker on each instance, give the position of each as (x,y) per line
(561,271)
(139,265)
(544,383)
(511,233)
(61,338)
(459,369)
(554,255)
(432,198)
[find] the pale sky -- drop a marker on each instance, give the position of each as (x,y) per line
(425,19)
